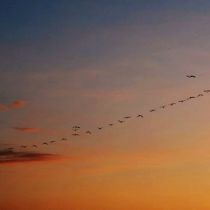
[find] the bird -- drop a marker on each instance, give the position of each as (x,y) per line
(140,115)
(45,143)
(127,117)
(75,128)
(191,76)
(88,132)
(163,107)
(206,91)
(63,139)
(34,146)
(181,101)
(199,95)
(111,124)
(171,104)
(100,128)
(24,146)
(120,121)
(75,134)
(191,97)
(152,110)
(52,142)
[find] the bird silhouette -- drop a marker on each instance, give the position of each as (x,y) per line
(75,128)
(163,107)
(172,104)
(45,143)
(181,101)
(52,142)
(111,124)
(191,76)
(140,115)
(152,110)
(120,121)
(127,117)
(63,139)
(88,132)
(75,134)
(100,128)
(34,146)
(199,95)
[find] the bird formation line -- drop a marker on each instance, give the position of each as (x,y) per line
(76,128)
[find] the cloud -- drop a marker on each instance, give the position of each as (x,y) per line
(27,130)
(18,104)
(10,156)
(3,108)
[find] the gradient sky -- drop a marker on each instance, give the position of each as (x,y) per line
(91,63)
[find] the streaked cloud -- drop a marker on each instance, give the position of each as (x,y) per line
(3,108)
(10,156)
(18,104)
(27,129)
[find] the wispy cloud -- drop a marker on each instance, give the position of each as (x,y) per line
(27,130)
(10,156)
(18,104)
(3,108)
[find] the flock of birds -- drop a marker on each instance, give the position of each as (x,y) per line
(76,128)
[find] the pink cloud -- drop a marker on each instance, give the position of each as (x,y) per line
(27,130)
(18,104)
(3,108)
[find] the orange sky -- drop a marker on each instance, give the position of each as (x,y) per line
(91,64)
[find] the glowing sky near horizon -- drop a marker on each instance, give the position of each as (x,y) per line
(91,63)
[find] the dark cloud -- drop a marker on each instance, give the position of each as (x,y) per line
(11,156)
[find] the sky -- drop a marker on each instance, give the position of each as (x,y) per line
(91,63)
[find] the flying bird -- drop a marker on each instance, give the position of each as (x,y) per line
(163,107)
(191,76)
(152,110)
(34,146)
(45,143)
(127,117)
(63,139)
(75,128)
(171,104)
(181,101)
(75,134)
(199,95)
(140,115)
(52,142)
(120,121)
(111,124)
(100,128)
(88,132)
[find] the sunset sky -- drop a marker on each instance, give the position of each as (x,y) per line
(91,63)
